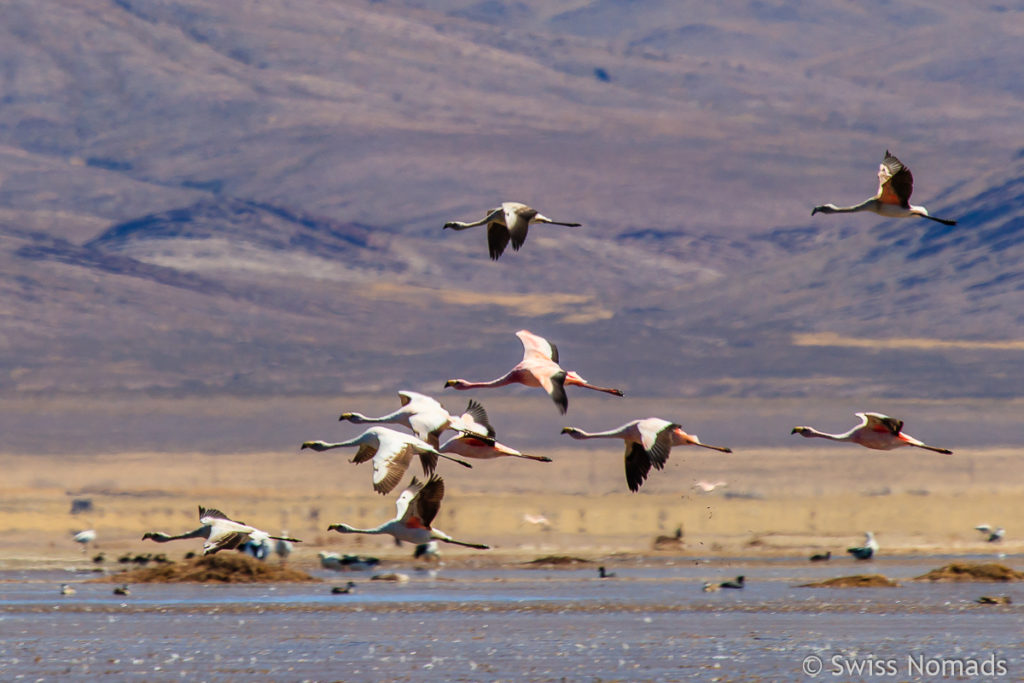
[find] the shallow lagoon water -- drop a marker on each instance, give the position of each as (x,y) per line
(650,622)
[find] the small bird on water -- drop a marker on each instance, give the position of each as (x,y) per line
(738,583)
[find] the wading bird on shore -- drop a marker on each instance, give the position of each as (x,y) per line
(391,453)
(415,509)
(821,557)
(510,221)
(428,419)
(539,368)
(85,538)
(877,431)
(866,551)
(993,535)
(648,443)
(895,184)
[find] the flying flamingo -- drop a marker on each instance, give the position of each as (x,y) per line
(510,221)
(648,443)
(472,446)
(415,509)
(539,368)
(876,431)
(391,452)
(428,419)
(220,532)
(895,184)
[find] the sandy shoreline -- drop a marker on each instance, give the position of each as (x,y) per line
(776,503)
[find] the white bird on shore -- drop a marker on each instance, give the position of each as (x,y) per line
(709,486)
(415,509)
(539,368)
(391,453)
(283,547)
(85,538)
(895,185)
(867,551)
(427,418)
(510,221)
(648,444)
(994,535)
(539,520)
(876,431)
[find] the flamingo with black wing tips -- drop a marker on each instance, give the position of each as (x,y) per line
(391,453)
(220,532)
(228,534)
(416,508)
(648,443)
(508,222)
(427,418)
(877,431)
(539,368)
(895,185)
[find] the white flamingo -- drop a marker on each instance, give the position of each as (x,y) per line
(539,368)
(391,453)
(648,443)
(510,221)
(228,534)
(895,185)
(428,419)
(220,532)
(415,509)
(877,431)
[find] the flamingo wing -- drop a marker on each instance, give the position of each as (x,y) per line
(517,218)
(882,423)
(476,420)
(535,344)
(497,239)
(555,386)
(427,500)
(638,465)
(659,450)
(895,182)
(211,513)
(389,466)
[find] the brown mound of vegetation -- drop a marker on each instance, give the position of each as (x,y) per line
(856,581)
(556,560)
(968,571)
(220,568)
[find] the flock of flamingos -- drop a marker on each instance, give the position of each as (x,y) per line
(648,441)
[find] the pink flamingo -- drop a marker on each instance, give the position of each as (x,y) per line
(539,368)
(473,446)
(895,185)
(648,443)
(877,431)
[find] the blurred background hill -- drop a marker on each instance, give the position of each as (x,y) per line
(207,206)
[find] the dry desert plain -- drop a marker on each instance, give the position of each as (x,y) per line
(777,502)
